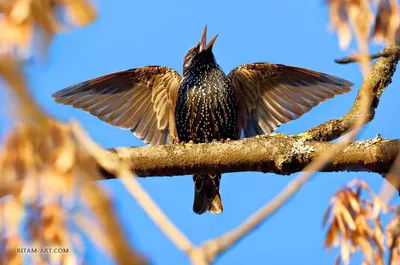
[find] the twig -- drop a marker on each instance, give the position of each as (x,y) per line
(155,213)
(354,59)
(135,189)
(117,241)
(27,107)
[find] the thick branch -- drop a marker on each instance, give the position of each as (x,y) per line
(275,153)
(379,77)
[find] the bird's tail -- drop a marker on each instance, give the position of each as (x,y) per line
(206,194)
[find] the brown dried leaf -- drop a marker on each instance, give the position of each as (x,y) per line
(348,218)
(366,248)
(15,39)
(332,236)
(386,21)
(356,222)
(9,255)
(378,258)
(18,18)
(345,252)
(337,260)
(379,236)
(80,13)
(344,34)
(20,12)
(354,203)
(338,217)
(22,103)
(326,215)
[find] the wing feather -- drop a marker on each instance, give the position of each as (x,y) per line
(141,99)
(272,94)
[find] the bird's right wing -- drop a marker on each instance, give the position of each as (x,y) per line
(272,94)
(141,99)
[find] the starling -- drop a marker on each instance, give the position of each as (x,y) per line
(159,105)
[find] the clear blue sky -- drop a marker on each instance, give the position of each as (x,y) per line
(130,34)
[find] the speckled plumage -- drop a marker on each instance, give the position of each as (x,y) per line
(158,105)
(206,108)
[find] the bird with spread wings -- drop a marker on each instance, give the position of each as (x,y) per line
(144,100)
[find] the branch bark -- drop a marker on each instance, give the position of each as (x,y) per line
(276,153)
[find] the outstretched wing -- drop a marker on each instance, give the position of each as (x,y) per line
(142,100)
(272,94)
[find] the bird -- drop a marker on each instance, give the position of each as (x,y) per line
(161,106)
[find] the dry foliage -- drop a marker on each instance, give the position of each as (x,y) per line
(366,19)
(355,214)
(49,177)
(20,19)
(393,238)
(48,169)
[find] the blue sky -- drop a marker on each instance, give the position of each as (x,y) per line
(130,34)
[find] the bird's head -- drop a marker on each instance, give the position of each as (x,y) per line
(200,52)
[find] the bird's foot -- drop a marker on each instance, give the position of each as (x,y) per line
(221,140)
(190,143)
(177,141)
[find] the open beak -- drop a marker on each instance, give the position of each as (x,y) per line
(211,43)
(203,41)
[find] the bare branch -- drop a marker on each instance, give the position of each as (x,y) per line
(355,59)
(276,153)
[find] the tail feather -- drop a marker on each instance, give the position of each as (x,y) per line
(206,194)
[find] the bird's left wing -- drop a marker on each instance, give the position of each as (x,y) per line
(141,99)
(272,94)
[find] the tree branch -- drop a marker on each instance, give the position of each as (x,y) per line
(385,53)
(379,77)
(275,153)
